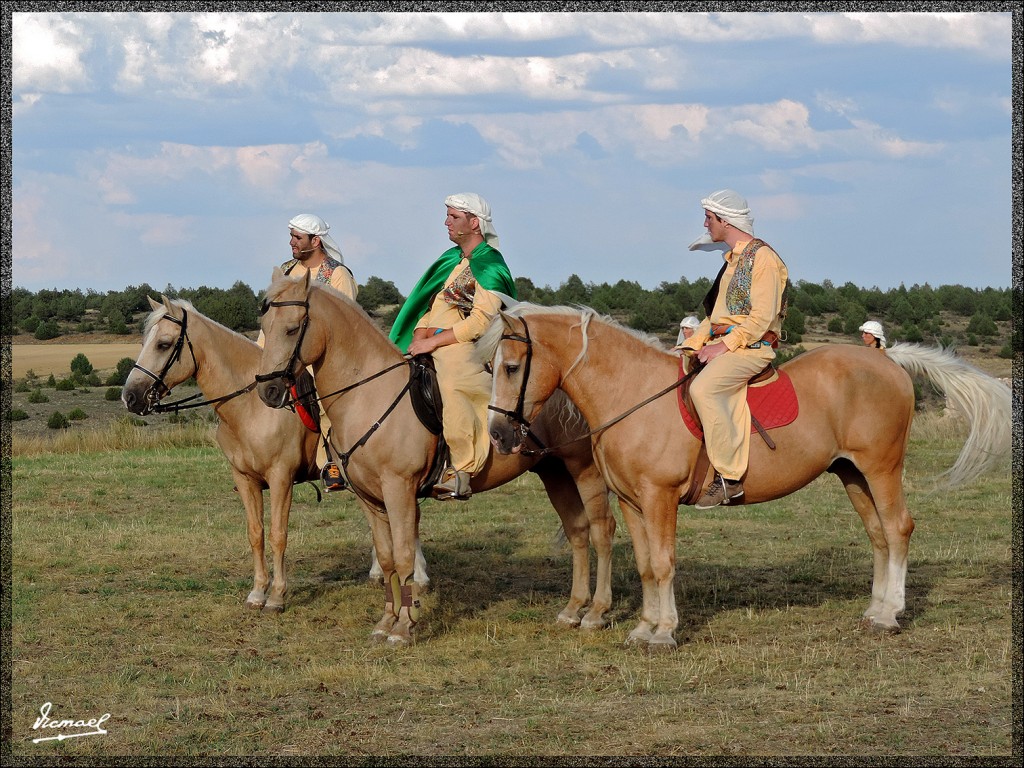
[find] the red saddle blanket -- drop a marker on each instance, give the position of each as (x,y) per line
(773,405)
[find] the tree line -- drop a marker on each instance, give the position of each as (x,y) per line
(908,314)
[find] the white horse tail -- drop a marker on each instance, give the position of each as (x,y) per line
(985,402)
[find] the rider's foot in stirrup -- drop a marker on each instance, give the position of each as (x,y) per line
(331,475)
(454,485)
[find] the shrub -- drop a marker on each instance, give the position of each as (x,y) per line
(120,376)
(93,379)
(16,415)
(81,366)
(48,329)
(77,415)
(22,386)
(58,420)
(65,385)
(112,394)
(51,381)
(38,397)
(1006,352)
(836,325)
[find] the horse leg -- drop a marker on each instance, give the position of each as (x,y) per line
(402,519)
(380,531)
(594,494)
(644,630)
(890,538)
(252,498)
(421,577)
(660,510)
(280,508)
(565,498)
(897,525)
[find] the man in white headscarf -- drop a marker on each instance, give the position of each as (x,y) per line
(745,309)
(449,308)
(313,250)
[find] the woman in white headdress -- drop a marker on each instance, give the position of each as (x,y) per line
(872,334)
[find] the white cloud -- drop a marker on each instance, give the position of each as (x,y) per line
(46,53)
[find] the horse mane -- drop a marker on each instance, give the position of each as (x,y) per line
(487,344)
(157,315)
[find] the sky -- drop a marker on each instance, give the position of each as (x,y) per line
(172,149)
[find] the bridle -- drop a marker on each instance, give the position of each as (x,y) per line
(518,418)
(287,374)
(159,388)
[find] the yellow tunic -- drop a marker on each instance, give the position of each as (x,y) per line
(465,385)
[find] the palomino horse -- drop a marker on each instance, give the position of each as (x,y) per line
(362,379)
(266,449)
(855,410)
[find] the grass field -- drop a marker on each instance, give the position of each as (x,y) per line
(131,566)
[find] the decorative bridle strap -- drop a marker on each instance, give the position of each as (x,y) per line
(180,405)
(288,372)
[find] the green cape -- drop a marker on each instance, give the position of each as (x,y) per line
(489,269)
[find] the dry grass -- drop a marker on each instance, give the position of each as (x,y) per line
(131,568)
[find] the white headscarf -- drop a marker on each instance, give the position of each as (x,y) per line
(309,224)
(476,205)
(875,329)
(731,207)
(690,321)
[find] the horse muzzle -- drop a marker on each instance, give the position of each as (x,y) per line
(274,392)
(505,437)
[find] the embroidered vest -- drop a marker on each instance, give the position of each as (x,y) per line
(737,294)
(323,274)
(461,291)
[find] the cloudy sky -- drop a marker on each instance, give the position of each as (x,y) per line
(173,148)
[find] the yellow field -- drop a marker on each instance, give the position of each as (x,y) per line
(44,359)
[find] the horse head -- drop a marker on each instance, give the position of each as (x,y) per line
(164,339)
(285,322)
(516,396)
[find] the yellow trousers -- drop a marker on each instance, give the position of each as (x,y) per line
(465,392)
(719,394)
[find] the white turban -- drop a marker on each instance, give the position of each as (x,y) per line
(309,224)
(476,205)
(875,329)
(690,321)
(730,206)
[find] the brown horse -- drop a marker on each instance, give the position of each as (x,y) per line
(855,410)
(266,449)
(362,379)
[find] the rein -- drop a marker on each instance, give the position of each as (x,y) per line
(518,416)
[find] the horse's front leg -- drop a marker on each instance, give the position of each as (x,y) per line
(649,612)
(660,515)
(280,507)
(252,498)
(380,531)
(403,517)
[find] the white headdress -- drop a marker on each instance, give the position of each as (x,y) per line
(309,224)
(730,206)
(473,203)
(875,329)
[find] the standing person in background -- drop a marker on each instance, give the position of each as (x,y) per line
(449,308)
(745,308)
(872,334)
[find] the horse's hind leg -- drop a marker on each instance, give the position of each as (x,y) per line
(566,498)
(252,498)
(888,525)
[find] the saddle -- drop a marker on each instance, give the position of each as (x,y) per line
(772,401)
(426,402)
(307,407)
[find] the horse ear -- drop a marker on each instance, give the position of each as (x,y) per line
(506,319)
(155,304)
(166,301)
(277,274)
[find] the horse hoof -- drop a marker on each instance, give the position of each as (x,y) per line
(271,608)
(875,627)
(591,623)
(570,622)
(378,638)
(254,606)
(398,641)
(661,645)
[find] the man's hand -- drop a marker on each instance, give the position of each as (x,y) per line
(711,351)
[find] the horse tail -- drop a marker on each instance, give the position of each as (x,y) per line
(984,401)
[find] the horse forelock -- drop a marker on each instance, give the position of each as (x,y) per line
(158,314)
